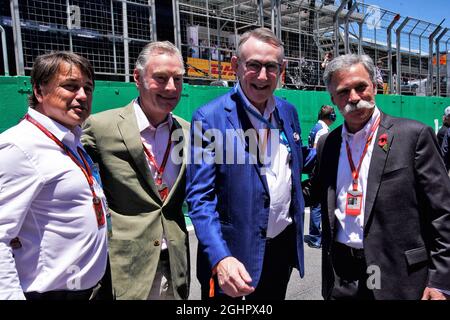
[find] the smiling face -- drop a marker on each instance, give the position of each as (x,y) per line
(160,86)
(67,97)
(353,91)
(258,87)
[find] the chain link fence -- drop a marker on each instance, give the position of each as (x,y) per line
(403,48)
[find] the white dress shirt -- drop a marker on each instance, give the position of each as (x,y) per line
(278,172)
(46,202)
(155,140)
(350,228)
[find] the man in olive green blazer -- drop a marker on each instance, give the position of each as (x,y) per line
(148,247)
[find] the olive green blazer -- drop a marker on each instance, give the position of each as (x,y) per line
(138,215)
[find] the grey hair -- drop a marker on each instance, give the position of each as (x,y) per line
(345,62)
(156,48)
(265,35)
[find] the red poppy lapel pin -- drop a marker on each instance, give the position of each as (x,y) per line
(383,142)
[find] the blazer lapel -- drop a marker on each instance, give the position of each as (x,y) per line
(240,121)
(377,164)
(130,134)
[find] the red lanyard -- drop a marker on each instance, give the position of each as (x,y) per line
(355,171)
(163,190)
(84,167)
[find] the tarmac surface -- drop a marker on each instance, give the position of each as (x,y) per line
(307,288)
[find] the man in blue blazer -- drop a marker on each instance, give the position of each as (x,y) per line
(243,180)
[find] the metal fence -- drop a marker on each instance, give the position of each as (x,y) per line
(410,53)
(109,33)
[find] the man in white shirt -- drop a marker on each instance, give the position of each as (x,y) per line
(385,196)
(53,221)
(139,149)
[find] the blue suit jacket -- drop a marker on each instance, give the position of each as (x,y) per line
(229,203)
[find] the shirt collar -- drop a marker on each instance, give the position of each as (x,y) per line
(270,104)
(142,119)
(365,130)
(62,133)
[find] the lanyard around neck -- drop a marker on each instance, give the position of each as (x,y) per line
(84,167)
(355,171)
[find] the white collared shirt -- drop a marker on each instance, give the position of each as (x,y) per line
(278,173)
(350,228)
(321,132)
(46,202)
(155,140)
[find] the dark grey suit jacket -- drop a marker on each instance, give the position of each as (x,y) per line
(407,210)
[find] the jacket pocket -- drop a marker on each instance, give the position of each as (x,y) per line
(393,173)
(417,255)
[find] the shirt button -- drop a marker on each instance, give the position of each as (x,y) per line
(156,243)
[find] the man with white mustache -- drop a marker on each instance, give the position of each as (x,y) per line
(144,179)
(385,197)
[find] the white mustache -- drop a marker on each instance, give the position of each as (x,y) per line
(350,107)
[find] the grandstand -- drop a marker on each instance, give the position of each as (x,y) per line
(411,53)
